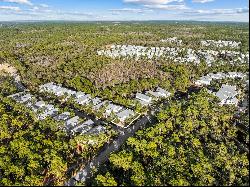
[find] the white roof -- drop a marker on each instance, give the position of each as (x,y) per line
(123,115)
(40,104)
(96,101)
(97,107)
(113,107)
(163,92)
(155,94)
(73,120)
(63,116)
(143,97)
(79,94)
(226,91)
(88,122)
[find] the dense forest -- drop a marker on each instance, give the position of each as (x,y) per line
(193,141)
(192,144)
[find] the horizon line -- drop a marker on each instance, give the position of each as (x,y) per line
(61,20)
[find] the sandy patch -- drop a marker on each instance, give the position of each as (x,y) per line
(10,70)
(7,68)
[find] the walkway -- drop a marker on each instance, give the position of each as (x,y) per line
(114,146)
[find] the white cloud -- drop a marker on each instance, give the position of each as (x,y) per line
(168,7)
(13,8)
(146,10)
(202,1)
(219,11)
(161,4)
(44,5)
(27,2)
(130,10)
(152,2)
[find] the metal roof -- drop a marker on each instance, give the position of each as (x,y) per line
(143,97)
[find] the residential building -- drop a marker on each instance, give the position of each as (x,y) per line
(95,101)
(25,98)
(82,129)
(227,95)
(125,114)
(97,130)
(98,106)
(53,112)
(72,122)
(78,95)
(62,117)
(112,108)
(154,94)
(163,92)
(89,122)
(205,80)
(143,99)
(40,104)
(17,95)
(83,99)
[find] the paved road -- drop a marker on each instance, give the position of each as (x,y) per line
(114,146)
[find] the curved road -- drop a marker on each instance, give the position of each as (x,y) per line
(82,175)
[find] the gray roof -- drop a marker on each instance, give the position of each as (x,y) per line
(96,101)
(162,92)
(60,91)
(70,92)
(83,128)
(229,88)
(221,95)
(84,99)
(113,108)
(81,100)
(79,94)
(234,100)
(123,115)
(143,97)
(52,113)
(97,130)
(206,78)
(49,107)
(16,95)
(25,98)
(40,104)
(226,91)
(72,121)
(97,107)
(88,122)
(155,94)
(64,116)
(236,74)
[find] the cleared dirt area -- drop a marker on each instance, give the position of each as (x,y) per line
(7,68)
(120,72)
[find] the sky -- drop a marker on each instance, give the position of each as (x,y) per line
(125,10)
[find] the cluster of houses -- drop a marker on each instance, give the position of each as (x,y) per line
(172,40)
(147,98)
(135,51)
(181,55)
(110,109)
(171,53)
(119,114)
(227,93)
(206,80)
(72,124)
(220,43)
